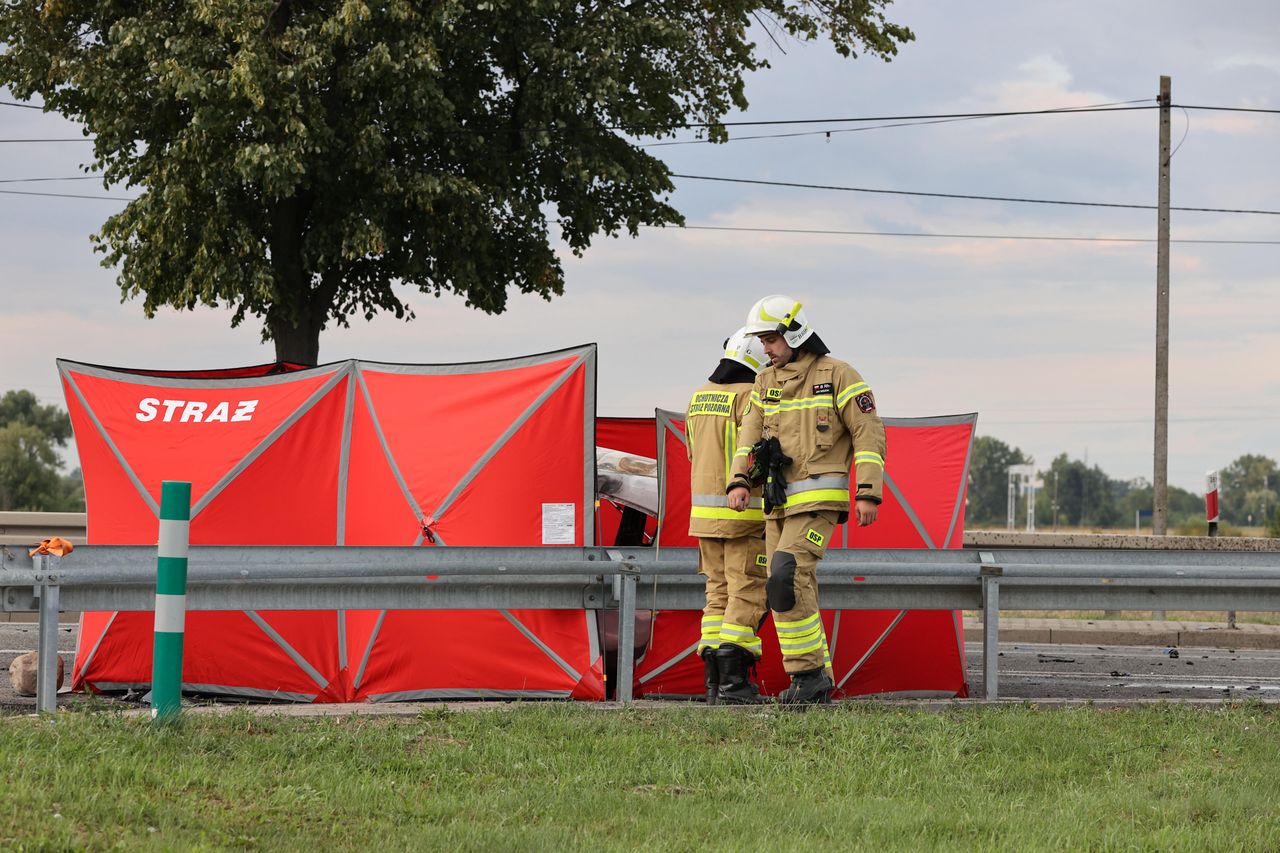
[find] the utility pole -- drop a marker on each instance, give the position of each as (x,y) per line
(1160,482)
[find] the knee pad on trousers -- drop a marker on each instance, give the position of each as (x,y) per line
(780,589)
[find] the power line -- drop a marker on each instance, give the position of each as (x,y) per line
(1113,106)
(833,188)
(1118,106)
(33,180)
(67,195)
(922,117)
(797,133)
(831,131)
(1227,109)
(899,121)
(894,122)
(817,231)
(833,232)
(795,185)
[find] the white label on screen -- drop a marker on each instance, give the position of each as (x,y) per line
(558,524)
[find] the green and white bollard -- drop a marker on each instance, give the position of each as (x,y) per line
(171,599)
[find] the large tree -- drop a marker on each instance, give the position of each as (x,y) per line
(296,161)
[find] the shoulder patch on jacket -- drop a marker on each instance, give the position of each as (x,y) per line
(866,402)
(712,403)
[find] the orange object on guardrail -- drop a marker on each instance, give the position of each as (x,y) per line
(55,545)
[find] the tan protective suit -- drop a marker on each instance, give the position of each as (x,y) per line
(730,544)
(824,416)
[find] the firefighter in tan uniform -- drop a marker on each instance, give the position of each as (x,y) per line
(730,543)
(824,418)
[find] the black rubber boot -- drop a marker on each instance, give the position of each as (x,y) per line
(735,665)
(711,673)
(811,687)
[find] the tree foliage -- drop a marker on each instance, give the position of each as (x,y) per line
(30,469)
(1184,507)
(23,407)
(297,161)
(1248,489)
(1082,496)
(988,493)
(1086,497)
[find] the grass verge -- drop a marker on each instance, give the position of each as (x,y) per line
(563,776)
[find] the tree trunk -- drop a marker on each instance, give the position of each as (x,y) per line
(299,344)
(297,314)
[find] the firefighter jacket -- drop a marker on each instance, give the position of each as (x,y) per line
(711,436)
(824,416)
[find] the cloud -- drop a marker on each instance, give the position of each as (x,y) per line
(1039,82)
(1265,62)
(1040,75)
(1230,125)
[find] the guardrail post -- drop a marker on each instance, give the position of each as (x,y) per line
(626,633)
(47,644)
(990,630)
(171,600)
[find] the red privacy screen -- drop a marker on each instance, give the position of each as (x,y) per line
(899,652)
(357,453)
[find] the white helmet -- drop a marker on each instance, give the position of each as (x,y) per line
(745,349)
(780,314)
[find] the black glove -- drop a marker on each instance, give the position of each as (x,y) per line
(768,463)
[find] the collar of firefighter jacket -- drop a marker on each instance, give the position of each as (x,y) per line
(798,366)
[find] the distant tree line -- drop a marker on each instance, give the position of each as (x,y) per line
(31,470)
(1079,495)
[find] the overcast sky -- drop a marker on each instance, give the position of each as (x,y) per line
(1052,343)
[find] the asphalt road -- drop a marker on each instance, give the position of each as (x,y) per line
(1032,671)
(1027,671)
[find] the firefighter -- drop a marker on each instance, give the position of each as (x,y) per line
(730,543)
(823,417)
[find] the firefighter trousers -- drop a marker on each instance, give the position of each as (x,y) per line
(795,544)
(735,570)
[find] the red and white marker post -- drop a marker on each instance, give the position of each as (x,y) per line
(1211,501)
(1211,516)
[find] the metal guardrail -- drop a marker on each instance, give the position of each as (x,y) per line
(110,577)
